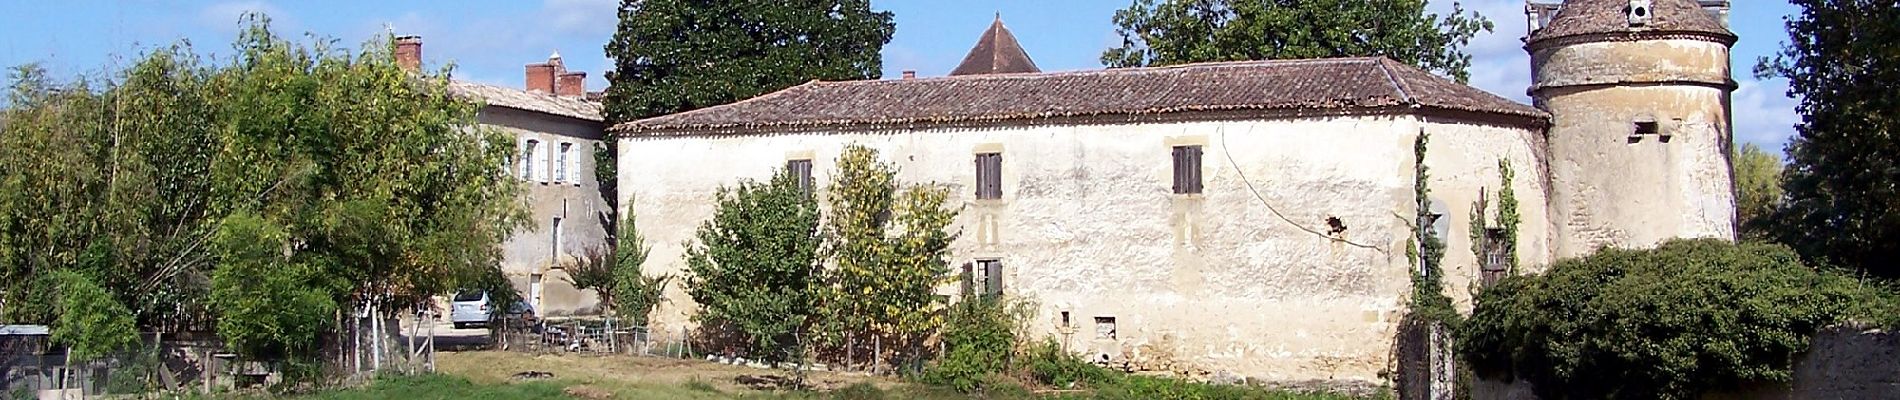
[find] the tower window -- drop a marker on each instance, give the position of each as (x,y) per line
(1647,128)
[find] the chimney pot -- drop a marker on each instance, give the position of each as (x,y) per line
(409,53)
(910,74)
(571,84)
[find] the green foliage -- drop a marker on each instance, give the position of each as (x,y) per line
(1842,180)
(754,268)
(1757,191)
(635,293)
(1677,321)
(91,324)
(594,270)
(678,55)
(1049,364)
(269,308)
(1425,250)
(980,337)
(890,250)
(1507,220)
(1168,32)
(350,180)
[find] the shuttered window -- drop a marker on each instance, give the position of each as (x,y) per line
(989,176)
(800,170)
(1187,169)
(528,150)
(984,275)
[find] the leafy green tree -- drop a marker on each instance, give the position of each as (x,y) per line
(890,252)
(1674,322)
(754,269)
(91,324)
(678,55)
(1842,180)
(1167,32)
(269,307)
(1757,190)
(636,292)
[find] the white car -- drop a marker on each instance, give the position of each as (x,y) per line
(474,308)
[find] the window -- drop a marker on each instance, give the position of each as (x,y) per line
(1187,169)
(541,163)
(801,170)
(1105,328)
(989,176)
(1497,255)
(556,245)
(560,164)
(985,275)
(527,158)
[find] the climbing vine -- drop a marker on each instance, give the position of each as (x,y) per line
(1426,250)
(1506,223)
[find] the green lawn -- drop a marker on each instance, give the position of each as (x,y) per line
(445,387)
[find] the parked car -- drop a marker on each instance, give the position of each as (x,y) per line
(473,308)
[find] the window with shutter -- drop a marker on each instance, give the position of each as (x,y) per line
(541,163)
(969,280)
(561,164)
(992,277)
(989,176)
(1187,169)
(527,158)
(801,170)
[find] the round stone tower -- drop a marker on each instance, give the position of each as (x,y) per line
(1638,147)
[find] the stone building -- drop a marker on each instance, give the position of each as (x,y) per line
(1246,217)
(556,130)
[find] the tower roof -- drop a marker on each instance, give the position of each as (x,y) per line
(1610,17)
(996,53)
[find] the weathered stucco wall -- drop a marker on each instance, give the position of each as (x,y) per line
(531,256)
(1088,225)
(1464,163)
(1612,187)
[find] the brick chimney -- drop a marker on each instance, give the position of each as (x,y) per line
(541,75)
(910,74)
(409,53)
(571,84)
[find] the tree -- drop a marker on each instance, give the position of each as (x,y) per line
(1842,180)
(678,55)
(91,324)
(1686,318)
(754,270)
(635,292)
(1757,190)
(889,249)
(1171,32)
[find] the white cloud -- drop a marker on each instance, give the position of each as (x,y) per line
(1498,61)
(1764,114)
(587,17)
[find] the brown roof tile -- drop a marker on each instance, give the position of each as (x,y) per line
(997,52)
(1588,17)
(523,100)
(1336,84)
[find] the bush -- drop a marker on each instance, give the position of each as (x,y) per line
(1050,365)
(1685,318)
(90,322)
(979,339)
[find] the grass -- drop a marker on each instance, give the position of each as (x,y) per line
(485,376)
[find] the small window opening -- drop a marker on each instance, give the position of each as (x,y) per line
(1105,328)
(1065,319)
(1497,256)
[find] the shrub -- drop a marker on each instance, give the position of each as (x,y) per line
(753,266)
(90,322)
(979,339)
(1050,365)
(1685,318)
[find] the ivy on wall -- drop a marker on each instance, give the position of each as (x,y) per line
(1506,222)
(1426,250)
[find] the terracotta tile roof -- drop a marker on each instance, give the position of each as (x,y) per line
(1588,17)
(522,100)
(997,52)
(1336,84)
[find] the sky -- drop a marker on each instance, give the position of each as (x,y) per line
(490,40)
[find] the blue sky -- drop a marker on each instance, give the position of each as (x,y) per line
(489,41)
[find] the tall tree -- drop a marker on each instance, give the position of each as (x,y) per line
(754,270)
(1757,190)
(1166,32)
(678,55)
(890,251)
(1842,179)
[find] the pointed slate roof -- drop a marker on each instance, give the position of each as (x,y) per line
(996,53)
(1609,19)
(1229,90)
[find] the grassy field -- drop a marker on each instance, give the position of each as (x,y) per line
(491,376)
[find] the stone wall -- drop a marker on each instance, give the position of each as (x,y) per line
(1247,278)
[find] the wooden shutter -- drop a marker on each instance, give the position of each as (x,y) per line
(1194,169)
(989,176)
(801,170)
(993,279)
(1187,169)
(969,280)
